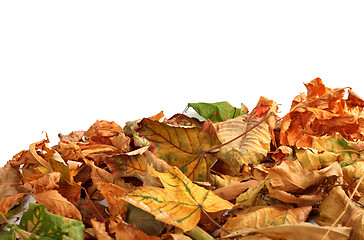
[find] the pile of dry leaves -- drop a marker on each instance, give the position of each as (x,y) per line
(237,175)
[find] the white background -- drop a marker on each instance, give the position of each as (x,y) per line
(65,64)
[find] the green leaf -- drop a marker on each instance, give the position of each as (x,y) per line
(45,225)
(219,111)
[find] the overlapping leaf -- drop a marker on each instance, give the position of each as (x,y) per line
(323,112)
(37,223)
(219,111)
(180,203)
(183,178)
(261,217)
(184,147)
(254,146)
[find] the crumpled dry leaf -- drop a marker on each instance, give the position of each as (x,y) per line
(10,181)
(324,112)
(291,182)
(352,173)
(334,204)
(57,204)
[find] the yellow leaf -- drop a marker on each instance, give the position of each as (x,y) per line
(291,232)
(179,203)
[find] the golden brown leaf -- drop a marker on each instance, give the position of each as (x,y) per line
(10,181)
(336,203)
(125,231)
(291,232)
(100,230)
(8,202)
(290,182)
(261,217)
(102,131)
(324,112)
(112,194)
(231,191)
(254,146)
(48,182)
(57,204)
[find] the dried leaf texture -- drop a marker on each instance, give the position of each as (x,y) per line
(323,112)
(184,147)
(254,146)
(179,203)
(248,176)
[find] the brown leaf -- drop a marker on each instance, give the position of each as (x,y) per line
(48,182)
(122,230)
(291,232)
(57,204)
(231,191)
(290,182)
(91,210)
(74,136)
(112,194)
(100,230)
(281,154)
(10,181)
(334,205)
(102,131)
(9,202)
(261,217)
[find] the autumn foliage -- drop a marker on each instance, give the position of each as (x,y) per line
(235,175)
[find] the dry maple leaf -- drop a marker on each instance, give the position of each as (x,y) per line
(179,203)
(184,147)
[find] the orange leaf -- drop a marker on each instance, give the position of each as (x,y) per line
(57,204)
(9,202)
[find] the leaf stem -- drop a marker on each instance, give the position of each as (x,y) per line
(88,198)
(343,212)
(6,220)
(212,220)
